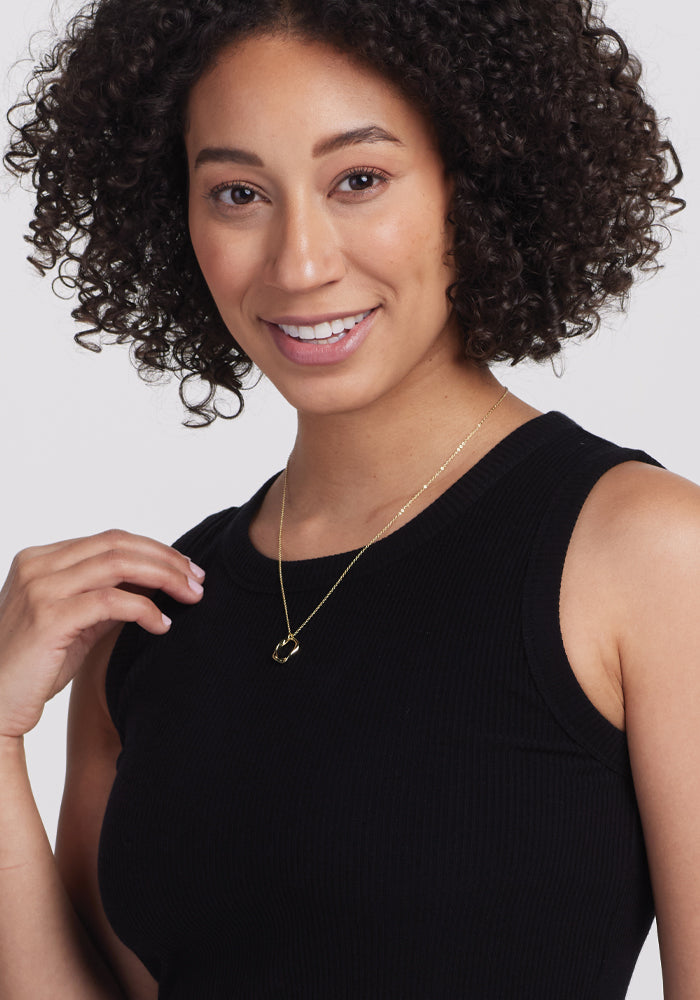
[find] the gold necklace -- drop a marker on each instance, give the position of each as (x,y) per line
(287,647)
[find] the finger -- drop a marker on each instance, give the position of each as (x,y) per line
(42,560)
(78,613)
(113,567)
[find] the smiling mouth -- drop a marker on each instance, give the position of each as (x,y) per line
(325,333)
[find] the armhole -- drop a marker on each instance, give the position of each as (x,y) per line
(544,643)
(133,644)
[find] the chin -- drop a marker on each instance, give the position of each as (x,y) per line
(328,400)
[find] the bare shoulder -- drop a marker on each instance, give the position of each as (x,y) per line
(637,519)
(641,526)
(93,746)
(644,525)
(637,501)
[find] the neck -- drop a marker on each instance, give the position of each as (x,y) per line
(351,465)
(349,473)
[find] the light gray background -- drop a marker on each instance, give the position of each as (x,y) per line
(85,445)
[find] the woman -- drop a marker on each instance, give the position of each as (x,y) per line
(418,719)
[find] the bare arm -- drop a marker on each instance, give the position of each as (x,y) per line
(61,609)
(652,576)
(44,951)
(93,747)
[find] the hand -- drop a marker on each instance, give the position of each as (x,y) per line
(59,600)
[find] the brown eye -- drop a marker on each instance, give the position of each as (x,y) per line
(358,182)
(233,195)
(361,180)
(241,195)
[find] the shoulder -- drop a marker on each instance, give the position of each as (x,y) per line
(206,530)
(644,491)
(644,525)
(638,540)
(630,577)
(642,519)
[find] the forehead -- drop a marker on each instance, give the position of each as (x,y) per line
(278,86)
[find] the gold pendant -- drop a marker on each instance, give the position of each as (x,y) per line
(279,654)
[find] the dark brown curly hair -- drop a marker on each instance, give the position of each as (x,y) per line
(562,175)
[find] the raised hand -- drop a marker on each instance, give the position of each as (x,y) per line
(60,599)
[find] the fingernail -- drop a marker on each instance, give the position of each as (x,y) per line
(197,587)
(166,621)
(197,570)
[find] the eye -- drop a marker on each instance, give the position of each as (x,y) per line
(239,194)
(362,179)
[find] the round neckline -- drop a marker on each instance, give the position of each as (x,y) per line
(258,572)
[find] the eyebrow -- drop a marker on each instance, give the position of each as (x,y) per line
(352,137)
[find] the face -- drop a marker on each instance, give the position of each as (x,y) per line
(317,212)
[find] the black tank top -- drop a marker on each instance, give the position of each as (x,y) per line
(422,803)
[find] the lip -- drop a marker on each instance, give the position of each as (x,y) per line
(313,352)
(290,320)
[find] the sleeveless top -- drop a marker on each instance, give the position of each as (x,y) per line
(422,803)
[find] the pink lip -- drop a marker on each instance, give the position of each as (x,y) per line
(312,320)
(312,352)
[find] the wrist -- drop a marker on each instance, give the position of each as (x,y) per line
(11,745)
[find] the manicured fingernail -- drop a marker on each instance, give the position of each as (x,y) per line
(197,570)
(166,621)
(197,587)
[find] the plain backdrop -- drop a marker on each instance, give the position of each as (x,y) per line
(86,445)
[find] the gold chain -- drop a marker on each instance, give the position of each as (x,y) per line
(282,653)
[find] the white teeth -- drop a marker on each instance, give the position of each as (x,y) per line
(323,330)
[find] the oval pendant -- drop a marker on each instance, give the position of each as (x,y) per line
(283,652)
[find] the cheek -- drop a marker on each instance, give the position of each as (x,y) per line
(225,263)
(410,246)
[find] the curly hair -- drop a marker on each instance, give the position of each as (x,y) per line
(562,177)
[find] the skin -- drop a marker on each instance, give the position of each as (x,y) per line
(308,244)
(313,241)
(369,429)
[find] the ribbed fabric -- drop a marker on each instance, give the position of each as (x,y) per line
(423,803)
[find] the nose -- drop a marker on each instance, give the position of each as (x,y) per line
(304,250)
